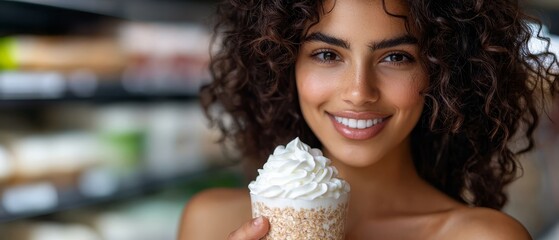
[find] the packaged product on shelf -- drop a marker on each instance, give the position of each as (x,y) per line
(121,132)
(50,155)
(30,198)
(165,58)
(100,54)
(15,84)
(35,230)
(6,164)
(41,67)
(100,181)
(62,231)
(174,139)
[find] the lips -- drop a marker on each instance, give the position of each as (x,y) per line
(358,125)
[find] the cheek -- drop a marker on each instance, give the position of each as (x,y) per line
(313,87)
(406,94)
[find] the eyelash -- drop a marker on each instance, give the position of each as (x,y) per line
(315,55)
(409,58)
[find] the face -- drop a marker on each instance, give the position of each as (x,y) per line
(359,81)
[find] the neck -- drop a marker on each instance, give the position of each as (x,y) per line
(380,189)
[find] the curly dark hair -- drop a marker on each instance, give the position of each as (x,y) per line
(485,87)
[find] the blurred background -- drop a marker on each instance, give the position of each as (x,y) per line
(102,136)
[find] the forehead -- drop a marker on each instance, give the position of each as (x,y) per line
(394,7)
(345,17)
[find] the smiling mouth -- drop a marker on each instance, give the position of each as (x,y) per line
(358,123)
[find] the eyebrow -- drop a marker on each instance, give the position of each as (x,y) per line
(321,37)
(392,42)
(386,43)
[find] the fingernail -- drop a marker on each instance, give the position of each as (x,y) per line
(257,221)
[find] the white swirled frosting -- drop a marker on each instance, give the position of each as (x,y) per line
(297,171)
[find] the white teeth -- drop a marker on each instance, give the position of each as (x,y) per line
(358,123)
(361,124)
(352,123)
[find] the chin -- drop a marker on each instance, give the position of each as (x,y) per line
(355,158)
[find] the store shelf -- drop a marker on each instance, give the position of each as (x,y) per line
(40,93)
(18,17)
(106,95)
(53,199)
(102,7)
(144,10)
(150,87)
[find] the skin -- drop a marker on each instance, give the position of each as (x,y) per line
(357,77)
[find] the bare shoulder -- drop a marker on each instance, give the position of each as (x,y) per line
(482,223)
(214,213)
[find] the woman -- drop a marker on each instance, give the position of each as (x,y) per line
(415,102)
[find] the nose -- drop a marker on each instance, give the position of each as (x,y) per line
(360,87)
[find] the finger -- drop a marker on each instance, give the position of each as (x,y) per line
(252,230)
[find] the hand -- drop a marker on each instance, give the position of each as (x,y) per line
(253,230)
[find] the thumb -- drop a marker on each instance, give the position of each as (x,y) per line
(252,230)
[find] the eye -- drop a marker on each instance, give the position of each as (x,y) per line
(398,58)
(326,56)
